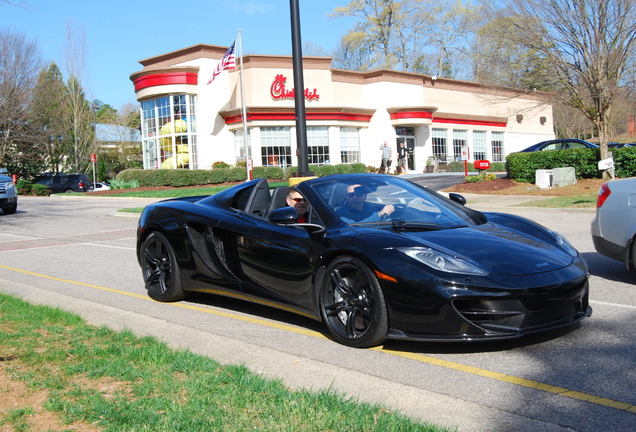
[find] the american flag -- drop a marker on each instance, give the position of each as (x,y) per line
(227,62)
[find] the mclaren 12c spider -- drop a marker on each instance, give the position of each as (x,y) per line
(377,257)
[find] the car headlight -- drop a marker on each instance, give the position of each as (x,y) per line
(564,243)
(441,261)
(8,186)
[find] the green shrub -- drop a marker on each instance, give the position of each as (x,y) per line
(120,184)
(625,162)
(39,190)
(522,166)
(25,187)
(269,172)
(359,168)
(237,174)
(458,166)
(324,170)
(23,184)
(344,169)
(183,177)
(220,164)
(481,177)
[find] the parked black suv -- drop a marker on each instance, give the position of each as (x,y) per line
(59,183)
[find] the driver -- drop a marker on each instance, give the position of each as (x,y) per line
(356,209)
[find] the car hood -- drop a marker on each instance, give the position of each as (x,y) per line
(496,249)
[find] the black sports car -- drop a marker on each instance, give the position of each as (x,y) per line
(378,257)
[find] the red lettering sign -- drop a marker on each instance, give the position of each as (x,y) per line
(278,90)
(481,164)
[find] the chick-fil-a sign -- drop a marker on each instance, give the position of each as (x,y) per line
(278,90)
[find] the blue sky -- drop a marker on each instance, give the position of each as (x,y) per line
(120,33)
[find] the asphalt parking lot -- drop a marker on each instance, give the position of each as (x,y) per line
(78,254)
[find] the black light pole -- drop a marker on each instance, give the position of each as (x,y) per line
(299,93)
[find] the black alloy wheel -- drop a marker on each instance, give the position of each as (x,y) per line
(352,304)
(160,269)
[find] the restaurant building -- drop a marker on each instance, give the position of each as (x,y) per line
(189,122)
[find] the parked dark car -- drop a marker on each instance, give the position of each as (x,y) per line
(614,145)
(614,227)
(430,270)
(64,183)
(559,144)
(8,195)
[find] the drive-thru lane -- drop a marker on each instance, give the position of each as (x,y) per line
(79,256)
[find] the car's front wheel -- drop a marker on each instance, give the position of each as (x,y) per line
(160,269)
(352,304)
(10,210)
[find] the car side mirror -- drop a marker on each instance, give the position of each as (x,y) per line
(288,216)
(460,199)
(283,216)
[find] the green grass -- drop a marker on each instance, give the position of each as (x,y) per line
(116,381)
(581,201)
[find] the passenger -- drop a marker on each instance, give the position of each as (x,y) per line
(296,200)
(356,209)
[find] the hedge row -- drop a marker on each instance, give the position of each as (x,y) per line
(179,178)
(523,166)
(458,166)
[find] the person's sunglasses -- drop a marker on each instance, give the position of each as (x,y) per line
(298,199)
(354,194)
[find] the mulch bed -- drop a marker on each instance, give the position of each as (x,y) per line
(483,187)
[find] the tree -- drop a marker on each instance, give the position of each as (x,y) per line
(105,113)
(449,27)
(586,44)
(80,115)
(48,112)
(376,34)
(20,63)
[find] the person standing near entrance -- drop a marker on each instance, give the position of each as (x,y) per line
(403,154)
(387,154)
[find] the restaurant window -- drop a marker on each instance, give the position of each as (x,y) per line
(479,145)
(276,146)
(439,145)
(239,146)
(460,140)
(318,145)
(497,146)
(168,132)
(349,145)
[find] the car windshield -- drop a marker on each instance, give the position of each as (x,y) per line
(392,201)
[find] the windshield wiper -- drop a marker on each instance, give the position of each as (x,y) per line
(421,226)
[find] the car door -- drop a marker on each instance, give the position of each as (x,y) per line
(276,262)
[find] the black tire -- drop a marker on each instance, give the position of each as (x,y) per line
(160,269)
(10,210)
(69,191)
(352,304)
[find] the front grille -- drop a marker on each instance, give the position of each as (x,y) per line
(529,312)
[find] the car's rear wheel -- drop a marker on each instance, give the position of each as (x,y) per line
(160,269)
(352,304)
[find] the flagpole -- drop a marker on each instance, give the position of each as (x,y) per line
(248,156)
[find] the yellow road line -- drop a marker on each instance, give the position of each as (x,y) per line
(408,355)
